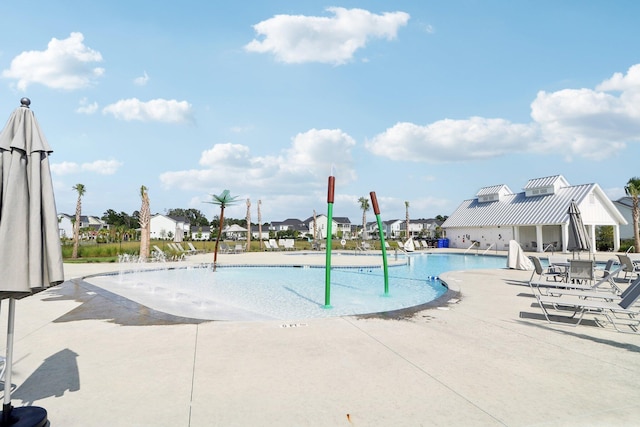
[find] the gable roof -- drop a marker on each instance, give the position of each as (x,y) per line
(525,209)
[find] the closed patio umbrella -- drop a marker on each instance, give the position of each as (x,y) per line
(578,238)
(30,252)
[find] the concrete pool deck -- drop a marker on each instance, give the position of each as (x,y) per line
(485,358)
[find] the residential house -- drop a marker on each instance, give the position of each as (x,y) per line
(537,218)
(340,226)
(419,227)
(200,232)
(169,227)
(290,224)
(90,224)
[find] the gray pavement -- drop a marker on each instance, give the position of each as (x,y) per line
(483,357)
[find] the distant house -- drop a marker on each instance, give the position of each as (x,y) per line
(91,225)
(200,232)
(340,226)
(537,218)
(290,224)
(420,227)
(168,227)
(255,232)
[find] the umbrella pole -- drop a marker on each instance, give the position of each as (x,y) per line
(8,363)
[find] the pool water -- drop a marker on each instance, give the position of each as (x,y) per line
(289,293)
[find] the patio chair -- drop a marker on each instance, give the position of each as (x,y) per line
(630,268)
(239,248)
(581,271)
(225,248)
(424,244)
(547,273)
(617,313)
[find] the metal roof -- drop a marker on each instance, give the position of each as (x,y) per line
(518,209)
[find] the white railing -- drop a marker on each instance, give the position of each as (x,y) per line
(472,246)
(630,247)
(488,248)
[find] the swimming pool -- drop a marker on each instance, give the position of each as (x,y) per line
(289,293)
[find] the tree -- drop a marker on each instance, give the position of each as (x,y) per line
(259,224)
(80,188)
(193,216)
(406,207)
(144,217)
(364,205)
(633,190)
(223,200)
(248,225)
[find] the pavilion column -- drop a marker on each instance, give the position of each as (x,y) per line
(539,239)
(565,237)
(616,238)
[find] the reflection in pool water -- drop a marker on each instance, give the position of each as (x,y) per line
(258,293)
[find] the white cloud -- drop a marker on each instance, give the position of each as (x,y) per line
(306,163)
(87,108)
(142,80)
(333,40)
(66,64)
(158,110)
(589,123)
(100,167)
(451,140)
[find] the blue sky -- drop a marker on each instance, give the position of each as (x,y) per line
(424,102)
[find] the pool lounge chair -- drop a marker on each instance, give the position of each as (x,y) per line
(193,249)
(274,245)
(631,269)
(548,273)
(617,313)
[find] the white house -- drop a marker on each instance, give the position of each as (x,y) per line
(65,224)
(339,226)
(166,227)
(537,218)
(201,232)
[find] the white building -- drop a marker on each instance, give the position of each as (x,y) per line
(340,226)
(65,225)
(168,228)
(536,218)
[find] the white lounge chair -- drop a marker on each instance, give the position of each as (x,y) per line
(617,313)
(274,245)
(193,249)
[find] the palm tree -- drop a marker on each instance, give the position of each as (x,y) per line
(260,224)
(248,225)
(406,207)
(144,217)
(76,224)
(633,190)
(364,205)
(223,200)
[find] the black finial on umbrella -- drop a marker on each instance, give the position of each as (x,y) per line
(25,102)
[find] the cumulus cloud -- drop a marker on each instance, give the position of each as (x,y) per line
(100,167)
(307,162)
(86,107)
(333,40)
(590,123)
(66,64)
(157,110)
(451,140)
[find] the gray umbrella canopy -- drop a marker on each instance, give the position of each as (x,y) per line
(30,252)
(578,238)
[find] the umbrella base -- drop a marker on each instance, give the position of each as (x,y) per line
(32,416)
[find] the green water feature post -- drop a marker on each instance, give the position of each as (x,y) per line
(376,211)
(327,275)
